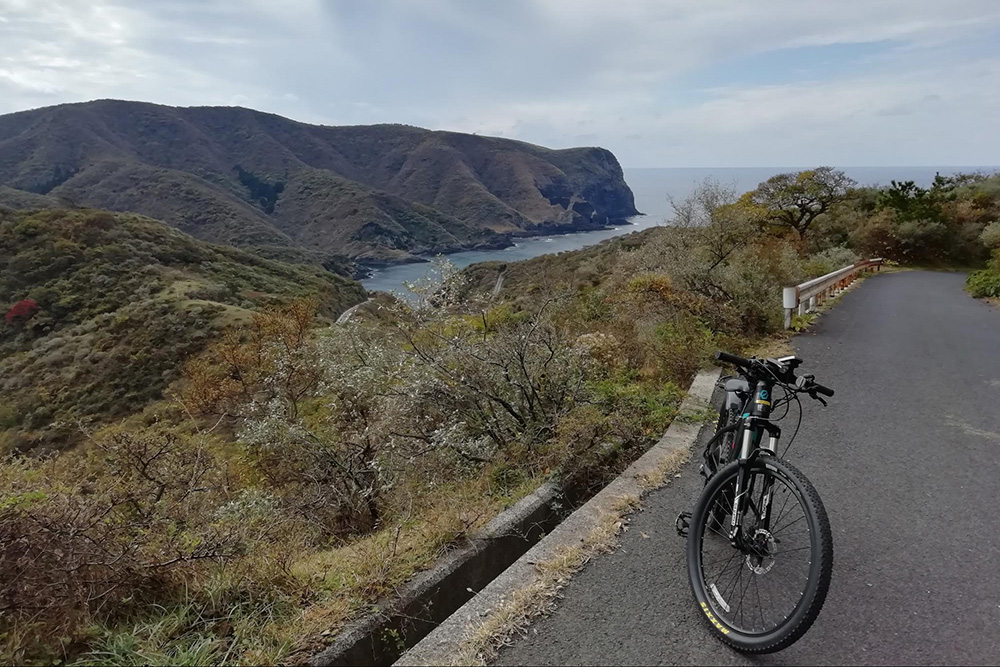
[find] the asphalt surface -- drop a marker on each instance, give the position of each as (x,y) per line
(907,461)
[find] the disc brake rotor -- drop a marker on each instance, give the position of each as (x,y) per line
(764,545)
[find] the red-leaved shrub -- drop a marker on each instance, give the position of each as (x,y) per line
(22,311)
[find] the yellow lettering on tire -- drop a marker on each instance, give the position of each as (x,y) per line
(719,626)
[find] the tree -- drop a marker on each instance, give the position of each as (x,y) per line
(795,200)
(714,221)
(268,360)
(910,202)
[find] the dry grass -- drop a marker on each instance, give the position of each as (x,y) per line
(661,475)
(775,345)
(540,596)
(351,578)
(322,590)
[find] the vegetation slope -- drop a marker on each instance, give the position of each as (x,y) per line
(101,309)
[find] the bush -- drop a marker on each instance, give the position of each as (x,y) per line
(904,222)
(990,236)
(829,260)
(984,283)
(97,538)
(21,312)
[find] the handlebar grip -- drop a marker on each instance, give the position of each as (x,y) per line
(732,359)
(820,389)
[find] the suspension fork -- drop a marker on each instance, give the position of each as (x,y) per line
(750,449)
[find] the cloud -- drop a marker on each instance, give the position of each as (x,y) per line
(660,82)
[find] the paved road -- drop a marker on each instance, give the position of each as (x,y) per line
(907,461)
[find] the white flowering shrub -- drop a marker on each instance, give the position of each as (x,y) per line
(829,260)
(428,392)
(990,236)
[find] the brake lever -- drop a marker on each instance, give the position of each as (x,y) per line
(816,397)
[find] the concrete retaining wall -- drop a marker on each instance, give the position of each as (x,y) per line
(430,597)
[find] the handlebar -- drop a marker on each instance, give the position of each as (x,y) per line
(774,368)
(732,359)
(820,389)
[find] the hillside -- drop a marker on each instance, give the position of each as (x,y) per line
(21,200)
(571,270)
(379,193)
(102,308)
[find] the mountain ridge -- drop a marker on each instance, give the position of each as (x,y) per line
(375,193)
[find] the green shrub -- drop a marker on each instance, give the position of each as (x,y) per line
(984,283)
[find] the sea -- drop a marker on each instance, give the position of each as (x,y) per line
(653,188)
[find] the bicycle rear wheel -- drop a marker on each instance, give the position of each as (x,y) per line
(723,451)
(764,595)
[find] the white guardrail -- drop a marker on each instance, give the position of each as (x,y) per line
(805,297)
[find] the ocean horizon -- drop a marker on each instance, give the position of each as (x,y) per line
(654,186)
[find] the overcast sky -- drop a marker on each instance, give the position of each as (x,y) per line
(659,82)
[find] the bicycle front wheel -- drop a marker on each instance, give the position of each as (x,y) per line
(763,594)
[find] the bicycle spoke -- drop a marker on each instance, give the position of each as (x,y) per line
(788,525)
(787,497)
(786,536)
(736,552)
(760,606)
(734,581)
(788,551)
(790,495)
(743,594)
(735,557)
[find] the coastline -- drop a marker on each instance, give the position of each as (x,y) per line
(393,278)
(367,269)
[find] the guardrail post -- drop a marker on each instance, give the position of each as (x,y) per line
(789,299)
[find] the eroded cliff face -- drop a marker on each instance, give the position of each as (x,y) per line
(381,193)
(605,186)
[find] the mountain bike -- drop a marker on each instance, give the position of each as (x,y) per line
(759,546)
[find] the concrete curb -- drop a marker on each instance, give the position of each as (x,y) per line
(428,598)
(445,642)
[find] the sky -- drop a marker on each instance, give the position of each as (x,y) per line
(662,83)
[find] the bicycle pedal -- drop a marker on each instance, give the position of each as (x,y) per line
(683,523)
